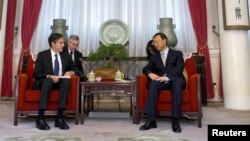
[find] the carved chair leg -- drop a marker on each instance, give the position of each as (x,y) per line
(199,122)
(15,119)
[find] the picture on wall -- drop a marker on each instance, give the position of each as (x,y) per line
(235,14)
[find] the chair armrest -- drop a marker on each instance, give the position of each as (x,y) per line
(23,81)
(142,86)
(74,90)
(194,91)
(22,85)
(20,88)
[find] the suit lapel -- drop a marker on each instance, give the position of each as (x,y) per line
(159,58)
(63,62)
(168,56)
(50,62)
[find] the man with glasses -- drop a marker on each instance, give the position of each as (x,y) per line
(165,69)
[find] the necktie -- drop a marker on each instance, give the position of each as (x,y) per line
(163,58)
(56,67)
(71,55)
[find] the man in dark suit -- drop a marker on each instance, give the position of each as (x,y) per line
(50,65)
(165,69)
(76,55)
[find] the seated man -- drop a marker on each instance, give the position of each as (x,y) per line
(76,55)
(165,71)
(50,64)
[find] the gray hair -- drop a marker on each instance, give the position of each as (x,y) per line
(74,37)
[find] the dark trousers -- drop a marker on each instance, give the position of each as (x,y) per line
(46,85)
(155,87)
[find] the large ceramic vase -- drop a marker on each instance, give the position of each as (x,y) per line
(59,26)
(166,27)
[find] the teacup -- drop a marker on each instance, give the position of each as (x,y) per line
(119,75)
(91,76)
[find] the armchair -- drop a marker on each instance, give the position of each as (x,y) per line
(191,105)
(27,100)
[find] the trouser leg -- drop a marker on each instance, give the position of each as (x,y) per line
(46,87)
(154,90)
(64,91)
(176,88)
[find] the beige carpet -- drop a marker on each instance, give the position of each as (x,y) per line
(117,128)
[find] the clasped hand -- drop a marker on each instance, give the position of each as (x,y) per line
(157,77)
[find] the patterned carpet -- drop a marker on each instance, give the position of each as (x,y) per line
(117,128)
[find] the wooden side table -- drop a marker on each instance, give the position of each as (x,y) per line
(122,86)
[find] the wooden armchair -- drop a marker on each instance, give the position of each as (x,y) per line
(27,100)
(191,105)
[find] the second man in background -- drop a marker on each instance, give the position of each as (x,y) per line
(71,49)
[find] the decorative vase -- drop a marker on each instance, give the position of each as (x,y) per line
(59,26)
(166,27)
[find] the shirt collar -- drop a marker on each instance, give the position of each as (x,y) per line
(53,53)
(165,51)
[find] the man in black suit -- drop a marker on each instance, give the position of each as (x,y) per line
(76,55)
(50,65)
(165,69)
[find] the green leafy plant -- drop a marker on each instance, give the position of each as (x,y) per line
(108,54)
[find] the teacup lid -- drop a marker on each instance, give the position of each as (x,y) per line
(92,72)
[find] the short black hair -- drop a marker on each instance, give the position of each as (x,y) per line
(54,37)
(163,36)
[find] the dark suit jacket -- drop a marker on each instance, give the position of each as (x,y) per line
(77,56)
(174,65)
(44,65)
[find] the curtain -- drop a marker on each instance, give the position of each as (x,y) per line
(31,9)
(6,89)
(85,17)
(199,19)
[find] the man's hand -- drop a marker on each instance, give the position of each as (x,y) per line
(153,76)
(162,79)
(55,78)
(69,73)
(157,78)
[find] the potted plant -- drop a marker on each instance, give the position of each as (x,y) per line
(108,56)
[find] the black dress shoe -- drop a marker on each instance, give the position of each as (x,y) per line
(148,125)
(60,123)
(42,125)
(176,127)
